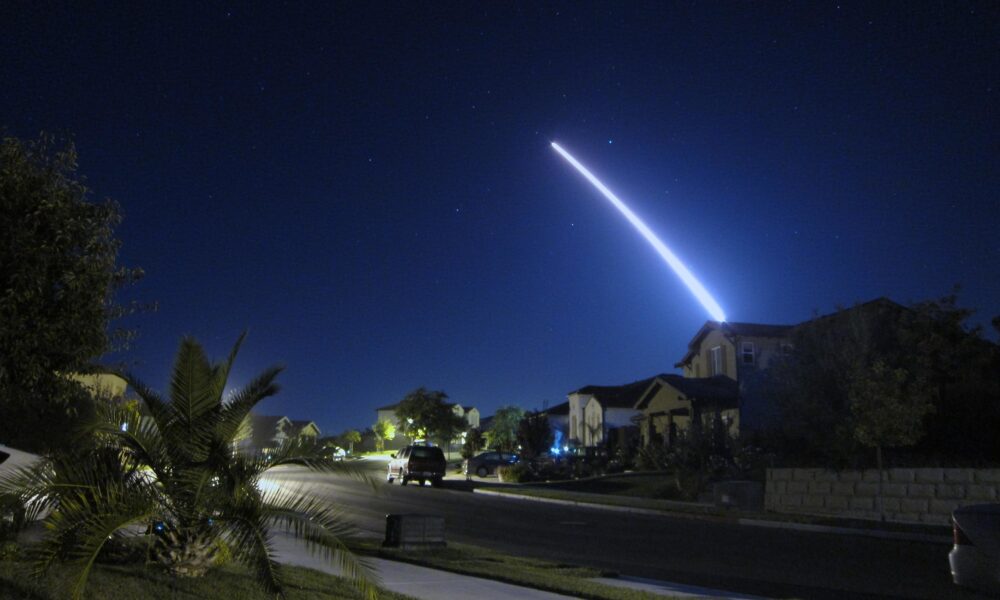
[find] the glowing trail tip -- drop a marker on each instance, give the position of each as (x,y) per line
(682,271)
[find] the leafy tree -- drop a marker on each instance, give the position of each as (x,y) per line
(502,434)
(424,413)
(351,437)
(418,410)
(474,442)
(176,470)
(534,434)
(889,407)
(814,387)
(958,366)
(384,431)
(57,271)
(447,427)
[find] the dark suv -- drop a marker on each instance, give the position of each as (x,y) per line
(417,463)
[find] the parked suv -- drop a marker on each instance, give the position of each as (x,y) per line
(417,463)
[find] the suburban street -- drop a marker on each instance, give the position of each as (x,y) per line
(769,562)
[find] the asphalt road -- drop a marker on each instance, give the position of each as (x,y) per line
(777,563)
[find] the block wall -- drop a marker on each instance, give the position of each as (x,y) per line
(909,495)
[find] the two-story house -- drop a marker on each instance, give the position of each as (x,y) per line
(596,410)
(269,432)
(740,352)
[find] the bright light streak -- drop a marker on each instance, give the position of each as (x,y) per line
(682,271)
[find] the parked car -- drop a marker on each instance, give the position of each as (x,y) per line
(12,460)
(975,557)
(417,463)
(487,463)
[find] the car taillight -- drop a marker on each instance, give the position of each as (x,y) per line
(960,538)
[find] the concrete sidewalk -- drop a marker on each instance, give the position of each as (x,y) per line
(412,580)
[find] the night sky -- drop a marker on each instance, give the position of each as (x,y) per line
(370,191)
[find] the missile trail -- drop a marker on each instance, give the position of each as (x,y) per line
(682,271)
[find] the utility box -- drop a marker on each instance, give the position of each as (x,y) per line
(414,531)
(744,495)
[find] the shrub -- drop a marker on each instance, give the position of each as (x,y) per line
(515,473)
(9,551)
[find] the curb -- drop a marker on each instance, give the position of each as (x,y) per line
(873,533)
(748,522)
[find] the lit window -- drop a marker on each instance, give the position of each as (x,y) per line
(748,353)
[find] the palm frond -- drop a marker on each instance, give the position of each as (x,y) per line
(323,528)
(160,411)
(245,529)
(25,492)
(233,413)
(221,371)
(86,523)
(191,388)
(139,437)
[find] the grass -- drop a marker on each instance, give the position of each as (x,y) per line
(642,491)
(138,582)
(657,486)
(540,574)
(652,491)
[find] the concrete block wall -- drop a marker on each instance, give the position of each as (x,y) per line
(909,495)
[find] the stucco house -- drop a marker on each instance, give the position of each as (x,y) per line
(102,385)
(596,410)
(740,352)
(723,367)
(672,402)
(268,432)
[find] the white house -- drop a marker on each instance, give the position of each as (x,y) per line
(595,410)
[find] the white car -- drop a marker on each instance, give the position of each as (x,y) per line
(975,558)
(11,460)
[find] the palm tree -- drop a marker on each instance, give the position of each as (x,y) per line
(174,472)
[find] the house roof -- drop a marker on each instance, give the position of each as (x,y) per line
(762,330)
(618,396)
(265,422)
(263,428)
(717,389)
(738,329)
(389,407)
(298,426)
(558,409)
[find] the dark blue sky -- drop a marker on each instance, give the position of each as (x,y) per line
(370,190)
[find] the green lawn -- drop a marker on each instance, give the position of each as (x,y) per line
(554,577)
(645,492)
(135,582)
(658,486)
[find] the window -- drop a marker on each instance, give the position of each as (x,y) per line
(715,363)
(748,353)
